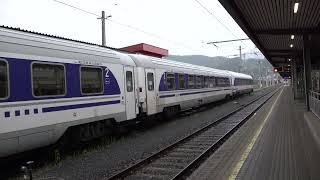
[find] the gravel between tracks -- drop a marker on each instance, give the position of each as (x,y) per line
(106,161)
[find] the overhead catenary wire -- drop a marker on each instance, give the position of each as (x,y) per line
(255,53)
(151,34)
(127,26)
(232,40)
(216,18)
(76,8)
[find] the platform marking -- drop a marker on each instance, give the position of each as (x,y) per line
(245,154)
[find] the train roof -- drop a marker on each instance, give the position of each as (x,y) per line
(14,40)
(240,75)
(19,41)
(152,62)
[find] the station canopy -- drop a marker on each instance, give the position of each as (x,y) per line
(277,27)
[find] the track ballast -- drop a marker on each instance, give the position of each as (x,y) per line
(179,158)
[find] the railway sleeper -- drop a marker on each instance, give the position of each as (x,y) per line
(204,142)
(182,155)
(231,124)
(188,150)
(201,138)
(173,160)
(158,171)
(220,130)
(147,176)
(167,165)
(198,140)
(197,144)
(205,139)
(191,146)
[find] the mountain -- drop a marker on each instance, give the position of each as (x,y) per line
(251,66)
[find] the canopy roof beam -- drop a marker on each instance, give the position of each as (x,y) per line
(287,31)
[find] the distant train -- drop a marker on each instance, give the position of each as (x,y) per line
(51,87)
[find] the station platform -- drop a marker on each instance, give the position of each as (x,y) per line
(281,141)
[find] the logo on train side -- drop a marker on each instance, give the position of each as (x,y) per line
(107,78)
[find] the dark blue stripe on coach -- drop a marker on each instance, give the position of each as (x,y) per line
(165,96)
(78,106)
(184,94)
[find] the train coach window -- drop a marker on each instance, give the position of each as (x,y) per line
(4,87)
(226,82)
(182,81)
(222,82)
(236,82)
(150,80)
(202,81)
(206,81)
(190,81)
(199,80)
(91,80)
(212,82)
(48,79)
(170,81)
(129,81)
(242,82)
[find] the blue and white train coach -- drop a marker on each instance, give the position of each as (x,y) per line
(171,86)
(241,83)
(53,86)
(48,85)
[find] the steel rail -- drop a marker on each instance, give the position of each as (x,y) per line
(135,167)
(214,146)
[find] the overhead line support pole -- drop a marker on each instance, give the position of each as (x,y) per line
(103,22)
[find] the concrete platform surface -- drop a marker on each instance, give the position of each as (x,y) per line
(280,142)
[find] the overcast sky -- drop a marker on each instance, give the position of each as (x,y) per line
(181,26)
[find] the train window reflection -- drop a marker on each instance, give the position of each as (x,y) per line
(199,80)
(91,80)
(242,82)
(129,81)
(182,81)
(170,81)
(206,81)
(191,81)
(222,82)
(48,79)
(212,82)
(150,81)
(4,89)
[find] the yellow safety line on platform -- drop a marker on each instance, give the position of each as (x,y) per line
(245,154)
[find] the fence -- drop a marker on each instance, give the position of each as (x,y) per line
(314,100)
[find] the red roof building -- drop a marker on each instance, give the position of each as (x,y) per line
(146,49)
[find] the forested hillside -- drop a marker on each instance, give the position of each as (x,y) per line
(254,67)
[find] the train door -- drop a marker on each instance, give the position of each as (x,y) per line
(130,94)
(150,91)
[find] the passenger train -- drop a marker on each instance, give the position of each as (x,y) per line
(54,87)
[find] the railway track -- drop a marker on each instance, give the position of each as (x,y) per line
(178,159)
